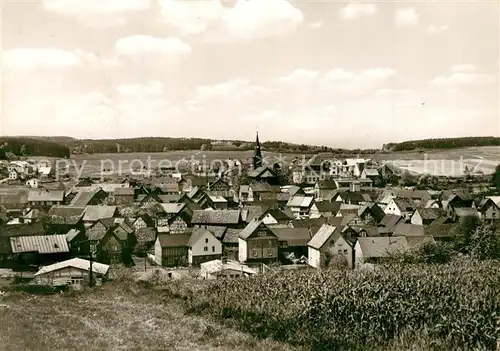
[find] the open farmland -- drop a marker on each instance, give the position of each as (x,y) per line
(451,162)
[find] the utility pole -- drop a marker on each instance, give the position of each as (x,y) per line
(90,269)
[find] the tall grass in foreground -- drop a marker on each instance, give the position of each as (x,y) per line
(453,306)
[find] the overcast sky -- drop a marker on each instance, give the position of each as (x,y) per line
(345,74)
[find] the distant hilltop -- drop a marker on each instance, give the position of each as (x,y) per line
(442,143)
(63,146)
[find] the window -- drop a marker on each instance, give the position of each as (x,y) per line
(269,253)
(213,248)
(76,280)
(205,248)
(339,252)
(345,252)
(231,276)
(206,240)
(254,253)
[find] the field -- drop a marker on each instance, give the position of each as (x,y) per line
(115,317)
(449,307)
(439,162)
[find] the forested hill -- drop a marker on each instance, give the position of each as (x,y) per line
(443,143)
(31,146)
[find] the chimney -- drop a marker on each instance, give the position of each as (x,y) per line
(310,231)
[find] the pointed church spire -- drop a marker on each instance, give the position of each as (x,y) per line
(257,157)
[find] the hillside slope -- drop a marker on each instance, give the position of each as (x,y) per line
(113,318)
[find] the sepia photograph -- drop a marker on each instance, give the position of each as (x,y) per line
(250,175)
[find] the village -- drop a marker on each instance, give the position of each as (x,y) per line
(223,225)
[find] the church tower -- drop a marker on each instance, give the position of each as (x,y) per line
(257,156)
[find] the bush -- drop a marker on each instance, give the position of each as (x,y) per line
(457,305)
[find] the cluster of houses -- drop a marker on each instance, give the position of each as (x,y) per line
(222,227)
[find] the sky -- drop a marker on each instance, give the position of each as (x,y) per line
(342,74)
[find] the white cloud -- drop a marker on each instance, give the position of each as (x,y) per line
(140,44)
(97,13)
(37,58)
(406,17)
(154,88)
(432,29)
(190,17)
(318,24)
(355,10)
(339,74)
(379,73)
(463,68)
(355,83)
(229,91)
(299,76)
(464,79)
(247,19)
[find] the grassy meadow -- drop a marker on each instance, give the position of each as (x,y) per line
(118,316)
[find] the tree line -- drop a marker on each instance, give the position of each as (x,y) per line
(443,143)
(26,146)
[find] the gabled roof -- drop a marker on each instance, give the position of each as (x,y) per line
(322,236)
(263,187)
(231,236)
(354,197)
(404,204)
(373,209)
(430,213)
(327,184)
(79,263)
(258,172)
(327,206)
(196,235)
(94,213)
(300,201)
(216,230)
(383,246)
(43,244)
(193,192)
(46,195)
(249,213)
(172,198)
(124,191)
(309,222)
(293,236)
(465,212)
(83,198)
(147,233)
(62,214)
(250,228)
(371,172)
(216,217)
(408,229)
(73,233)
(173,208)
(279,215)
(390,221)
(217,199)
(174,240)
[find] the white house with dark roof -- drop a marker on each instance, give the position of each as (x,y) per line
(400,207)
(203,246)
(329,239)
(303,206)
